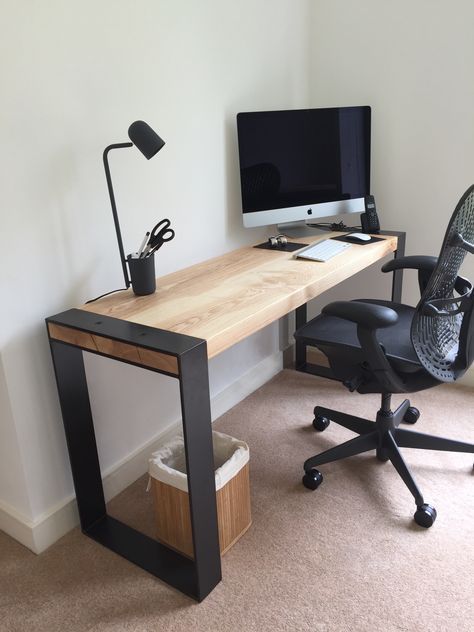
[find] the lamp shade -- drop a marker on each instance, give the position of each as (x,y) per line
(145,139)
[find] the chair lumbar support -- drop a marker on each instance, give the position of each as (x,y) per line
(385,437)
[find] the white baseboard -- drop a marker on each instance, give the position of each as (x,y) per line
(16,525)
(46,529)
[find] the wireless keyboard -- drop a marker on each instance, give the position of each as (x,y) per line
(322,251)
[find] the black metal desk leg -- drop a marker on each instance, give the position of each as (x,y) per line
(79,429)
(196,409)
(397,279)
(301,318)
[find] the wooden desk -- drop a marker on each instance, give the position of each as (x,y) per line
(195,314)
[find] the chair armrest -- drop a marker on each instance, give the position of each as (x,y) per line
(425,266)
(366,315)
(369,318)
(414,262)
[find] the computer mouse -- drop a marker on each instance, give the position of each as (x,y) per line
(358,237)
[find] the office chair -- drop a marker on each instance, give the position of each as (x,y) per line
(385,347)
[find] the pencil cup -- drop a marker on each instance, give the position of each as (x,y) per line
(142,275)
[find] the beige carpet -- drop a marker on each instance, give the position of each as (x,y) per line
(345,557)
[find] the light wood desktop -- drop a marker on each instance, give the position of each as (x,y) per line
(194,315)
(227,298)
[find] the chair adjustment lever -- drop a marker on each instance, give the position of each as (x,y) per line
(353,383)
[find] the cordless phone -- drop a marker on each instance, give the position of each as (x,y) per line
(369,220)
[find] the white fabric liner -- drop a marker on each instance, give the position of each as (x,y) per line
(168,464)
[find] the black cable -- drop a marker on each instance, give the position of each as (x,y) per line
(339,226)
(121,289)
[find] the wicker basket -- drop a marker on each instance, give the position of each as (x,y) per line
(169,484)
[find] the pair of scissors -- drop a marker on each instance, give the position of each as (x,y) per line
(158,236)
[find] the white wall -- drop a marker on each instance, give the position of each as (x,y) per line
(413,63)
(74,75)
(13,487)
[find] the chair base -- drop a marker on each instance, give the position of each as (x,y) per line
(385,437)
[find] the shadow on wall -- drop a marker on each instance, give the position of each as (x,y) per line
(233,199)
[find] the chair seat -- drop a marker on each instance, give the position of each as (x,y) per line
(330,331)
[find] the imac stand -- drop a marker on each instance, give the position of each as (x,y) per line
(298,229)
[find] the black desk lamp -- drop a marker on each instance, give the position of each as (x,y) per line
(149,143)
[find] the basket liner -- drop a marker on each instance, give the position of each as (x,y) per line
(168,464)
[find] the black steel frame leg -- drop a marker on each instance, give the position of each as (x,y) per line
(354,446)
(197,577)
(79,430)
(195,405)
(301,318)
(393,453)
(397,278)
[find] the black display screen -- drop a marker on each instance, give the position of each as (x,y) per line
(303,157)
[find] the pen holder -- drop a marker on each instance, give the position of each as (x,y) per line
(142,275)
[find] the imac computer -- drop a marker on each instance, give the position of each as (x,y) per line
(297,166)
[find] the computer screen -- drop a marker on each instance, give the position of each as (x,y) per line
(303,164)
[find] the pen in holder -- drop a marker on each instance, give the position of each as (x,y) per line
(142,274)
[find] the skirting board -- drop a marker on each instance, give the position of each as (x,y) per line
(16,525)
(45,530)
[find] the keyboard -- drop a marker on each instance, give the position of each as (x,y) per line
(322,250)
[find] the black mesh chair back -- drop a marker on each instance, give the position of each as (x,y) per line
(442,330)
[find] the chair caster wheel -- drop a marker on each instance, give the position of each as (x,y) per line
(411,416)
(312,479)
(320,423)
(425,516)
